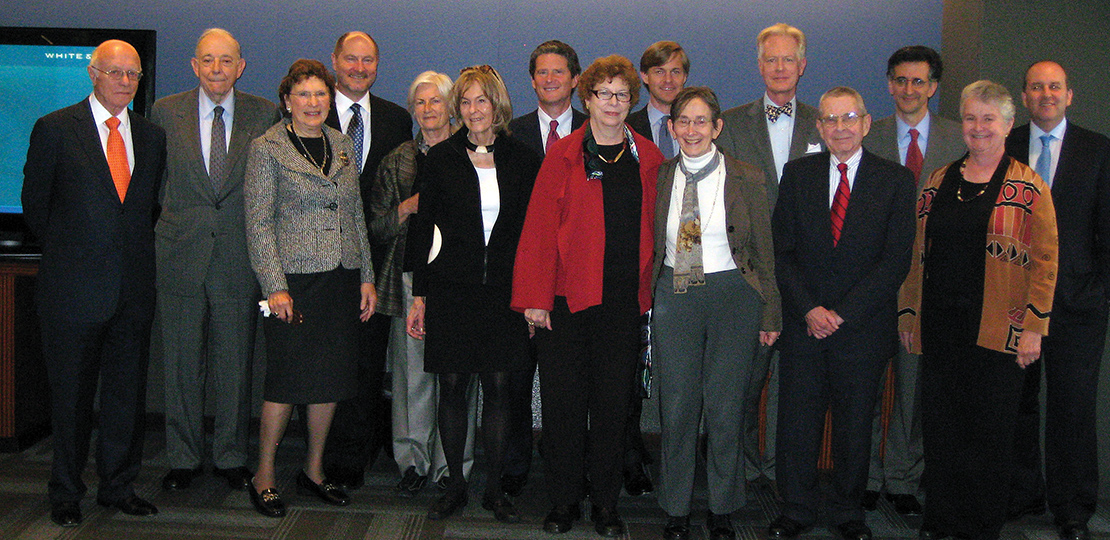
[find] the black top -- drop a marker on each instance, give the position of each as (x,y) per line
(622,196)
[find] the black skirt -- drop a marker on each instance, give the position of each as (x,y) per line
(315,361)
(470,329)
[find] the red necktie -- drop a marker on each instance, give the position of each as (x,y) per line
(914,159)
(117,158)
(552,136)
(840,203)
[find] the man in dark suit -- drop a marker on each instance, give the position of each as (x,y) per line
(90,191)
(767,133)
(361,424)
(207,293)
(554,70)
(842,230)
(923,142)
(1075,163)
(664,68)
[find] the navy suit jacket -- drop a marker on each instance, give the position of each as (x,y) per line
(639,123)
(96,250)
(860,277)
(1081,195)
(526,129)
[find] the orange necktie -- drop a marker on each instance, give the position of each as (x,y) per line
(117,158)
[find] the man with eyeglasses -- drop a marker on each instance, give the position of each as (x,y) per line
(842,231)
(923,142)
(207,293)
(664,68)
(90,189)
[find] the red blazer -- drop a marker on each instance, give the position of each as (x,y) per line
(562,246)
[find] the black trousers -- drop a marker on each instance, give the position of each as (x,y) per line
(359,428)
(586,361)
(518,455)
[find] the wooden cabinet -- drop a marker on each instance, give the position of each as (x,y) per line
(24,391)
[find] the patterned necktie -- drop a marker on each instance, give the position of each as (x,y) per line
(552,136)
(117,158)
(840,203)
(666,143)
(689,269)
(914,160)
(355,132)
(773,112)
(1044,161)
(217,151)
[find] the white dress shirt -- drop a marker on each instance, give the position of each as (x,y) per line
(834,173)
(781,132)
(1055,146)
(206,113)
(101,115)
(343,107)
(565,120)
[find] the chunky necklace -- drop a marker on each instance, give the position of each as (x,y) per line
(624,146)
(304,149)
(487,149)
(960,187)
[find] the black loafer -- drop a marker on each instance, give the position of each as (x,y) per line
(561,518)
(677,528)
(326,491)
(131,505)
(854,530)
(66,514)
(607,522)
(636,480)
(784,528)
(720,526)
(411,483)
(1074,530)
(513,484)
(348,478)
(267,503)
(179,479)
(238,478)
(905,504)
(447,505)
(502,508)
(870,500)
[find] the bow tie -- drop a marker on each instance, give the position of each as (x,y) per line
(773,112)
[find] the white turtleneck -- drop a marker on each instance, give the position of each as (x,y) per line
(715,251)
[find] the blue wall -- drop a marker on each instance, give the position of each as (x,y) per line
(849,40)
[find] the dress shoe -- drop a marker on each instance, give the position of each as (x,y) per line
(501,507)
(784,528)
(607,522)
(66,514)
(348,478)
(870,500)
(1074,530)
(561,518)
(677,528)
(326,491)
(131,505)
(636,480)
(447,505)
(720,526)
(854,530)
(411,483)
(268,503)
(179,479)
(443,482)
(905,504)
(238,478)
(513,484)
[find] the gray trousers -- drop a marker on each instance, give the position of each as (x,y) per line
(415,398)
(702,345)
(900,470)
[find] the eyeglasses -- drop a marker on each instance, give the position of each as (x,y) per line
(917,83)
(605,95)
(117,75)
(320,94)
(683,122)
(849,119)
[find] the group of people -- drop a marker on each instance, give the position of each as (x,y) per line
(833,250)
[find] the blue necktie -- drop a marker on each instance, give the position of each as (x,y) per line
(666,143)
(354,131)
(1044,161)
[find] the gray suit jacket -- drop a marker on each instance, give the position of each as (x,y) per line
(745,138)
(299,221)
(946,143)
(200,230)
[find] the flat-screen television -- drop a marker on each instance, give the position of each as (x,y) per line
(43,70)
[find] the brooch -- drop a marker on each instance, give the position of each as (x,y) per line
(344,159)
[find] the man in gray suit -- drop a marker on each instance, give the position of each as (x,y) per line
(207,293)
(767,133)
(923,143)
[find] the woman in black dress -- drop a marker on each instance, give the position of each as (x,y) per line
(308,246)
(474,189)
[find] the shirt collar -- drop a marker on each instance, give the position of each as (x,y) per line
(342,102)
(207,105)
(793,103)
(654,115)
(564,118)
(101,114)
(1035,131)
(922,127)
(852,161)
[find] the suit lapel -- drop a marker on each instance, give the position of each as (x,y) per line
(83,119)
(1067,157)
(188,115)
(240,139)
(144,152)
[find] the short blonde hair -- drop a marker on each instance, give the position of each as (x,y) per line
(492,86)
(781,29)
(991,93)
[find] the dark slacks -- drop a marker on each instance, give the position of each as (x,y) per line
(518,455)
(586,365)
(357,432)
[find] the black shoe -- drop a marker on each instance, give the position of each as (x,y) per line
(131,505)
(513,484)
(411,483)
(238,478)
(784,528)
(607,522)
(677,528)
(348,478)
(870,500)
(443,482)
(720,526)
(636,480)
(1074,530)
(905,504)
(66,514)
(179,479)
(326,491)
(561,518)
(447,505)
(268,503)
(501,507)
(854,530)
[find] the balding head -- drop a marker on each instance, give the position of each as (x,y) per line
(112,59)
(218,63)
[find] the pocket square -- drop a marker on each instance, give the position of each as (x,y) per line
(813,148)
